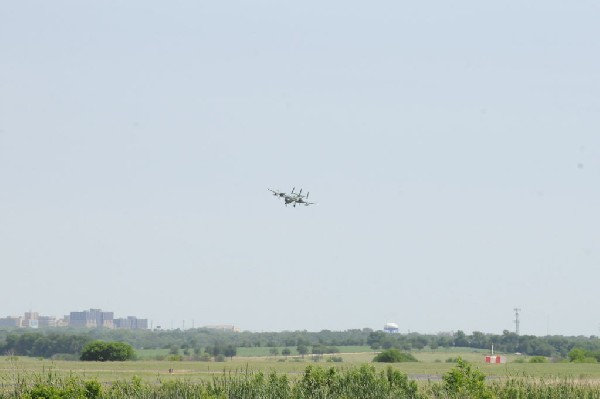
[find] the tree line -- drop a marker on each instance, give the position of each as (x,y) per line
(47,343)
(507,342)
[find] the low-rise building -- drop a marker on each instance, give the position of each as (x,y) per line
(224,327)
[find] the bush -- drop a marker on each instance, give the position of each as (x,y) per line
(463,381)
(71,387)
(100,351)
(363,382)
(394,356)
(578,355)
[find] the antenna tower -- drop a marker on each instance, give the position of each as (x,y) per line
(517,310)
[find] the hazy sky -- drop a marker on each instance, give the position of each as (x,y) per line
(453,149)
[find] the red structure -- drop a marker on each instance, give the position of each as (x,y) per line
(495,359)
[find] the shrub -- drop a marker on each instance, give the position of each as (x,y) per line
(394,356)
(93,389)
(576,354)
(463,381)
(129,389)
(107,351)
(57,388)
(363,382)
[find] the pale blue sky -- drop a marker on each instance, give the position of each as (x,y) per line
(453,149)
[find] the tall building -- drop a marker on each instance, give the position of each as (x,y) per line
(92,318)
(47,321)
(31,320)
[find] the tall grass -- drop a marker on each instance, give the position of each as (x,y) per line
(363,382)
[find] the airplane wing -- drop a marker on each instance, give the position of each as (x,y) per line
(276,193)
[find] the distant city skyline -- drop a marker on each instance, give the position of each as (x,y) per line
(191,324)
(92,318)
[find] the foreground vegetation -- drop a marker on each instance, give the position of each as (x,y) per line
(462,381)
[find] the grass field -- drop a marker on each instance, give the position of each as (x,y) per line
(432,364)
(241,377)
(263,351)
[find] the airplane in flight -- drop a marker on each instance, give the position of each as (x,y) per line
(293,198)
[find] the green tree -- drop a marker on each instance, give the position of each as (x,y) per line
(578,355)
(286,352)
(479,340)
(107,351)
(302,350)
(375,338)
(230,351)
(460,339)
(173,349)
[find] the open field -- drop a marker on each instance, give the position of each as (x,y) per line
(431,365)
(293,378)
(263,351)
